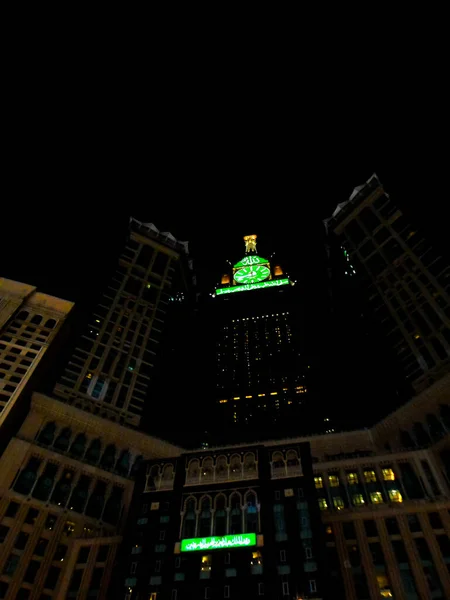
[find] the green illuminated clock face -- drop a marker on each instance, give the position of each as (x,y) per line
(252,274)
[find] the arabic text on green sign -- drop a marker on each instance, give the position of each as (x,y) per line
(251,259)
(252,286)
(218,542)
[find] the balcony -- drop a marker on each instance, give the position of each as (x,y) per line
(285,471)
(222,475)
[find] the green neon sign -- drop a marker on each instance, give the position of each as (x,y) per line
(252,259)
(252,286)
(219,542)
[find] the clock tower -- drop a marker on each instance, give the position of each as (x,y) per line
(261,369)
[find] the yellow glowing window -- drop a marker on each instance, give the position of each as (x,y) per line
(376,498)
(89,376)
(395,496)
(338,503)
(386,593)
(318,481)
(334,480)
(323,504)
(249,396)
(273,393)
(236,398)
(370,476)
(358,500)
(352,478)
(289,401)
(388,474)
(261,395)
(256,558)
(223,401)
(206,562)
(329,530)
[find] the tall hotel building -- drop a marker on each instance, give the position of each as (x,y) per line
(66,476)
(408,280)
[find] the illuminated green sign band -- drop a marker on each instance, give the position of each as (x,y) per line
(252,286)
(252,259)
(216,543)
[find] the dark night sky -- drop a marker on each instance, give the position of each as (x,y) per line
(209,172)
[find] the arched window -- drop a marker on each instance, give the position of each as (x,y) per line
(190,518)
(50,323)
(23,315)
(193,470)
(80,494)
(220,515)
(36,319)
(27,477)
(137,463)
(292,458)
(47,434)
(249,465)
(221,468)
(251,513)
(45,482)
(421,435)
(168,474)
(435,427)
(207,469)
(235,467)
(96,502)
(123,464)
(78,445)
(93,452)
(278,460)
(113,506)
(153,477)
(204,526)
(235,513)
(406,439)
(63,488)
(109,457)
(63,440)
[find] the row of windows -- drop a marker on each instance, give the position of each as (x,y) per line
(108,457)
(353,477)
(63,488)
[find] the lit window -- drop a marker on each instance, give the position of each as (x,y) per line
(323,504)
(376,498)
(358,500)
(352,478)
(388,474)
(318,482)
(206,562)
(395,496)
(370,476)
(223,401)
(334,480)
(256,558)
(338,503)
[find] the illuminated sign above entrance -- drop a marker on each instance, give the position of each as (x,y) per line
(252,286)
(218,542)
(252,259)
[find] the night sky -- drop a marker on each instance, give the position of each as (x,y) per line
(69,200)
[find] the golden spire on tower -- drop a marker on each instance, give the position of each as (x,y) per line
(250,243)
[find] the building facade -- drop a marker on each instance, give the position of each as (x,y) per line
(110,371)
(408,280)
(67,474)
(29,323)
(383,496)
(262,369)
(235,522)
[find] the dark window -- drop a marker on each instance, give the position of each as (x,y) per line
(11,564)
(392,526)
(371,528)
(21,540)
(27,477)
(41,547)
(75,582)
(50,522)
(349,530)
(12,509)
(422,548)
(23,594)
(83,554)
(3,589)
(3,533)
(160,263)
(435,520)
(368,219)
(60,552)
(444,544)
(413,523)
(377,553)
(52,578)
(102,553)
(33,568)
